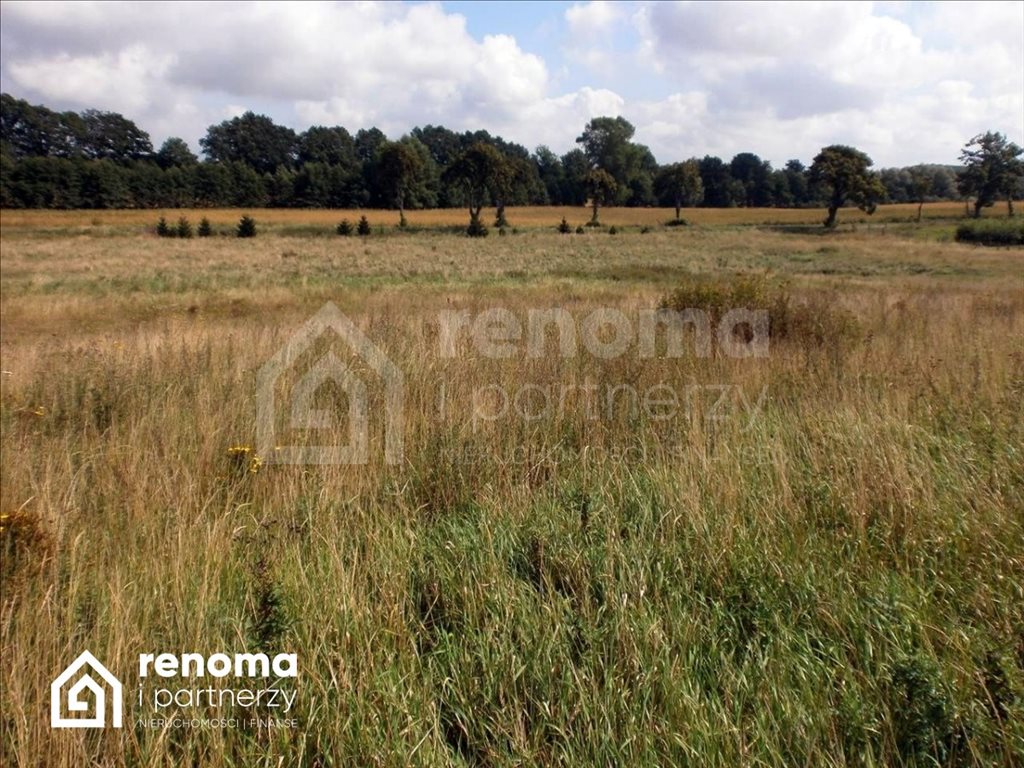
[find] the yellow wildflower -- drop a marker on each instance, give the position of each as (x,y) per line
(245,459)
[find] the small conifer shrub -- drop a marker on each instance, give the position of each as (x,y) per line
(246,227)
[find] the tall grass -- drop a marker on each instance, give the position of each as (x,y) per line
(830,575)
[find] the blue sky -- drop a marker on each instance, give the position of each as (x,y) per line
(541,28)
(535,24)
(906,82)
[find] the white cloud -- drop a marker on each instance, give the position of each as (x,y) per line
(906,87)
(357,64)
(119,79)
(905,82)
(557,121)
(592,19)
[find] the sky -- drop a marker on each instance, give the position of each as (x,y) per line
(906,82)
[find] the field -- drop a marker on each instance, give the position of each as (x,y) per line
(304,221)
(813,557)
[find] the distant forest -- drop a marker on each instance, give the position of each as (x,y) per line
(96,159)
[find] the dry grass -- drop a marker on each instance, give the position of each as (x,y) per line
(542,216)
(97,281)
(832,578)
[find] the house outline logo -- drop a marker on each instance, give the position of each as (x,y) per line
(75,703)
(303,414)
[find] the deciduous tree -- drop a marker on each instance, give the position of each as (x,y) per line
(717,182)
(251,139)
(754,174)
(175,153)
(679,184)
(601,188)
(479,172)
(607,144)
(844,173)
(329,146)
(397,167)
(110,136)
(992,168)
(576,167)
(920,186)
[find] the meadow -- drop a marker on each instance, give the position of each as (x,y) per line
(814,558)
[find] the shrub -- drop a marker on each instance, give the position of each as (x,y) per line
(644,230)
(26,543)
(363,228)
(814,322)
(204,230)
(476,228)
(564,227)
(677,223)
(991,232)
(580,230)
(593,223)
(922,712)
(246,227)
(184,228)
(613,230)
(163,229)
(717,298)
(345,228)
(502,232)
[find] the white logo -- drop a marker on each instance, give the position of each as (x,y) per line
(77,703)
(303,413)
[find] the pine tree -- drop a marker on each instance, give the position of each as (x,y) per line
(247,227)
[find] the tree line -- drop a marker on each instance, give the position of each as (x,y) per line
(97,159)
